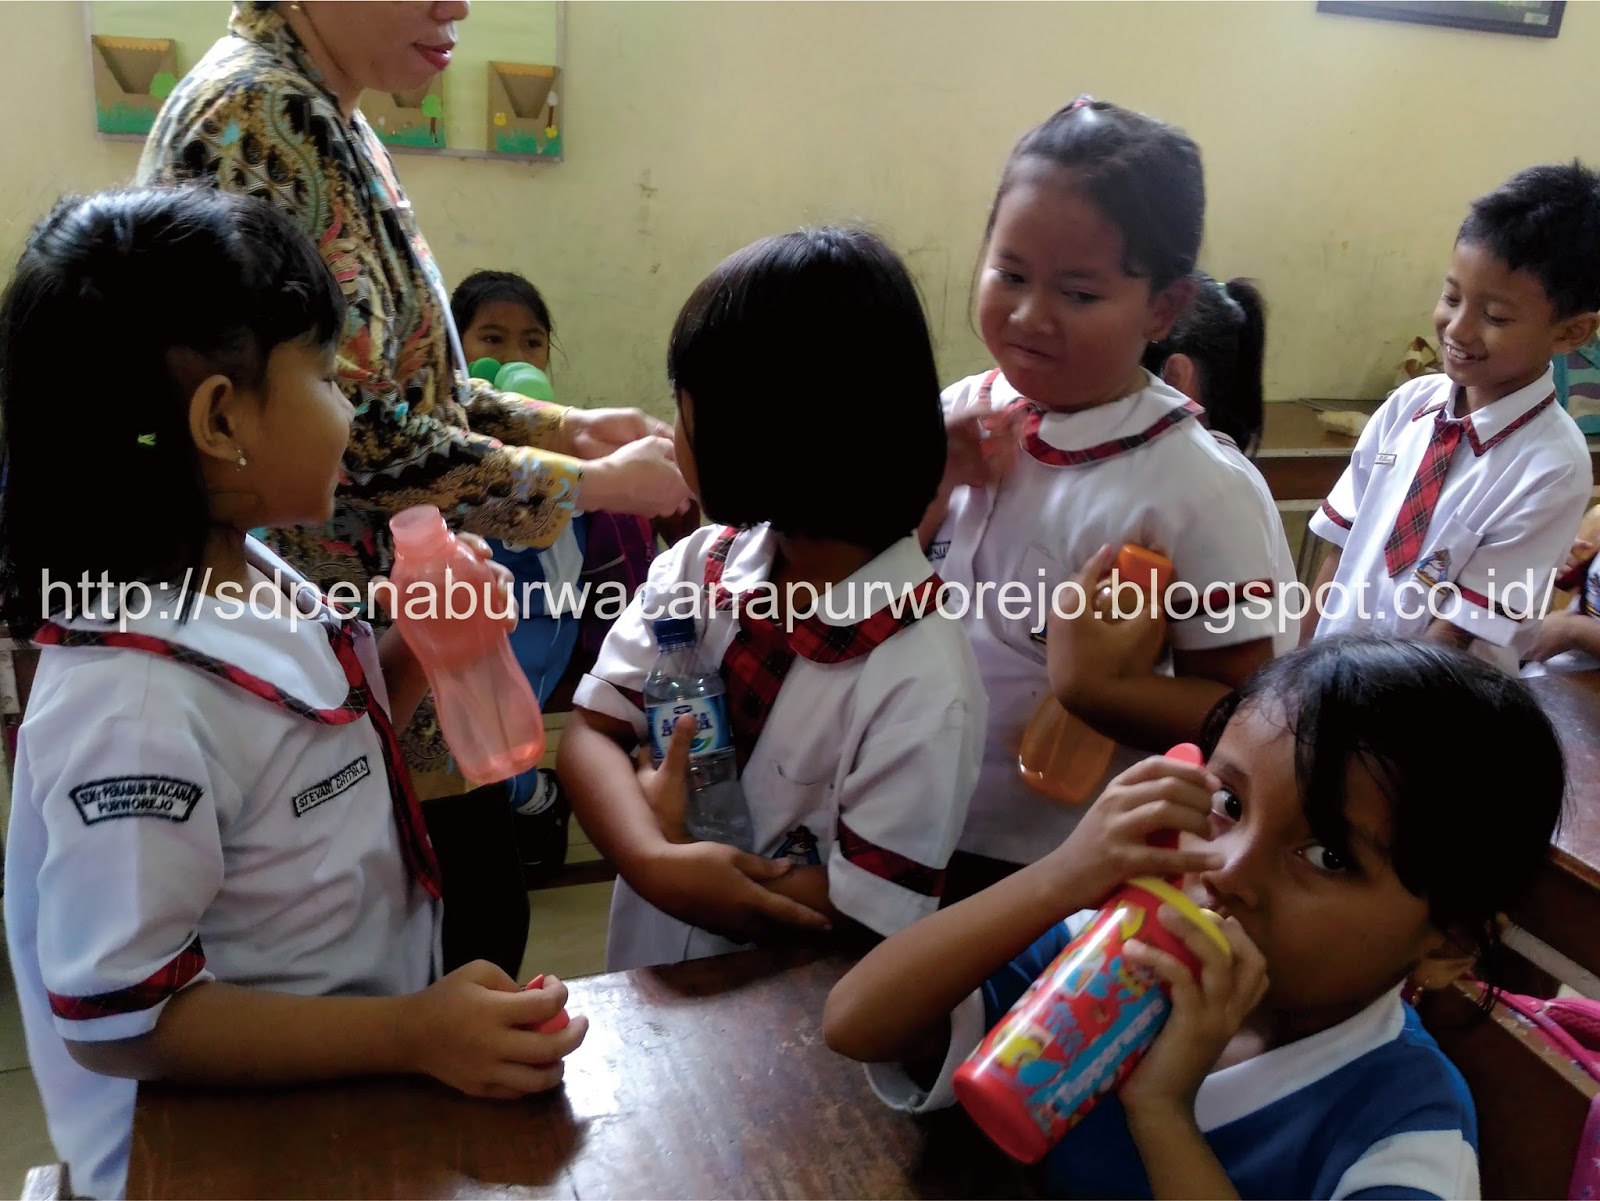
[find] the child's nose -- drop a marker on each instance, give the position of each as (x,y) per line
(1236,883)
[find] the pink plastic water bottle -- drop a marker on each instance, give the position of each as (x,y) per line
(486,706)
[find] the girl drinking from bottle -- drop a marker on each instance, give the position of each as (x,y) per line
(1345,852)
(216,869)
(856,709)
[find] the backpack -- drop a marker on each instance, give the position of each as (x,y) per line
(1572,1026)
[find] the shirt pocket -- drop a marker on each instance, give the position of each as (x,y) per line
(794,815)
(1446,552)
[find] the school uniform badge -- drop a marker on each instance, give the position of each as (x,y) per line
(800,846)
(1591,594)
(1435,569)
(135,796)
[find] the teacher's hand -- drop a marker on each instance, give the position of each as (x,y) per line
(640,478)
(595,433)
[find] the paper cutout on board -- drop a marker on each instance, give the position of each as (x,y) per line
(132,76)
(523,109)
(413,119)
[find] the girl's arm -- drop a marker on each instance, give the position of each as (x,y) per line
(894,1005)
(1566,631)
(473,1030)
(403,678)
(1153,711)
(706,884)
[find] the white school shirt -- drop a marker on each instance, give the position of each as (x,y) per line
(1149,474)
(1286,633)
(886,744)
(1369,1107)
(169,828)
(1515,492)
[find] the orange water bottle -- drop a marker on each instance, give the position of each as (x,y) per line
(1061,755)
(446,598)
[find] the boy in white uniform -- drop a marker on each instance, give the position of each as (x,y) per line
(217,869)
(1464,491)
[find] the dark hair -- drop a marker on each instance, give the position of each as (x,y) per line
(1143,174)
(169,285)
(1224,331)
(807,358)
(481,287)
(1545,220)
(1470,832)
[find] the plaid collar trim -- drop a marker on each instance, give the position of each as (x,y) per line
(1050,455)
(1494,423)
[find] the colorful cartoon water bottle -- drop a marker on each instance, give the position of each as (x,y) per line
(487,711)
(1061,755)
(1084,1024)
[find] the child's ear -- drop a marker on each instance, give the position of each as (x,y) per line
(1574,332)
(214,419)
(1449,959)
(1180,371)
(1167,306)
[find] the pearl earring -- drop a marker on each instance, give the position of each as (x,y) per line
(243,462)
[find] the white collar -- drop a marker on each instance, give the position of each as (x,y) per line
(1126,417)
(1499,420)
(1248,1087)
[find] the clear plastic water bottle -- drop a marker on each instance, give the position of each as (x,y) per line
(678,686)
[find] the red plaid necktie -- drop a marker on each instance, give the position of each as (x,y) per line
(1416,511)
(414,842)
(761,653)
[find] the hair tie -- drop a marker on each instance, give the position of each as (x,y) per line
(1081,102)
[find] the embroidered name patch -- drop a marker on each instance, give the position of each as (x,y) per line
(345,778)
(1385,460)
(135,796)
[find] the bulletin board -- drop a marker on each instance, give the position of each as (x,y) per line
(500,98)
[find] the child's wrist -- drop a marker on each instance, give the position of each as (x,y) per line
(1153,1120)
(400,1051)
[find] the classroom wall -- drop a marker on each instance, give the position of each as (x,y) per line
(1340,153)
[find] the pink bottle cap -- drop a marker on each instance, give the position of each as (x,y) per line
(560,1022)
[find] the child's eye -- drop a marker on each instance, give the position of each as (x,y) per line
(1081,297)
(1450,300)
(1010,277)
(1225,804)
(1324,860)
(492,339)
(1493,320)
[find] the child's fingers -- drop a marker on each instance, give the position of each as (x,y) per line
(1250,968)
(1095,569)
(1188,791)
(1159,767)
(677,761)
(513,1080)
(1162,861)
(1168,969)
(1216,965)
(1166,814)
(536,1049)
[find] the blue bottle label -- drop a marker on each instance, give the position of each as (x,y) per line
(712,733)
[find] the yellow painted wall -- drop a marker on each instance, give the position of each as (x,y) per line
(1340,154)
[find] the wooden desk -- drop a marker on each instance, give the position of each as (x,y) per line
(1564,910)
(705,1079)
(1302,459)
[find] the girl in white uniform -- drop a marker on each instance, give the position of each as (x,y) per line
(1091,243)
(857,727)
(216,868)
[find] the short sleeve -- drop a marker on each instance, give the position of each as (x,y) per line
(1333,521)
(1224,589)
(902,806)
(972,1019)
(133,859)
(615,684)
(1506,578)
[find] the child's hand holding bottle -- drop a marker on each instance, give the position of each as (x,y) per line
(477,1032)
(1206,1014)
(1129,831)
